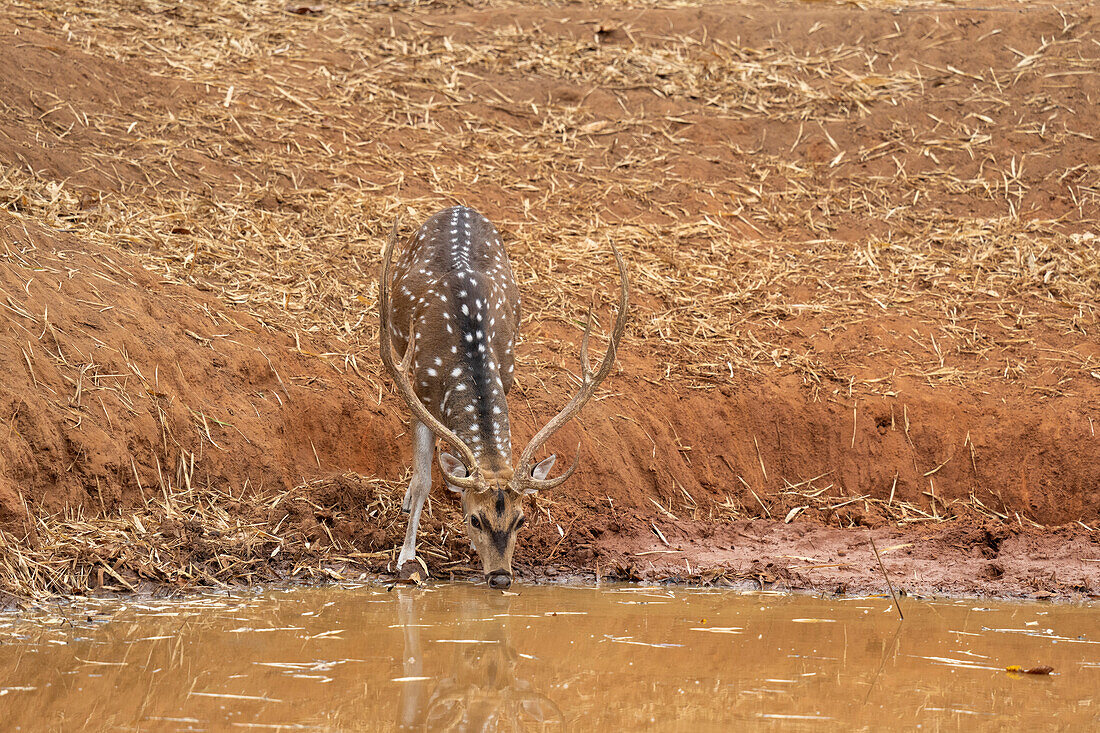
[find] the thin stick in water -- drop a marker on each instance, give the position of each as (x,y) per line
(887,576)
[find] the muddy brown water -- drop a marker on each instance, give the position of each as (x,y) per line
(461,657)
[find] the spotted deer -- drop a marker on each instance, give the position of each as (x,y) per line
(451,306)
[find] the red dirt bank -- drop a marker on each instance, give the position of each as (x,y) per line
(161,423)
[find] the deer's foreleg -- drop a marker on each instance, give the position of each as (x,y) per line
(419,485)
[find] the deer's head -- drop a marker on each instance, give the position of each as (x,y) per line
(493,511)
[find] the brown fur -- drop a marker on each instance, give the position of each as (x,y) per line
(454,287)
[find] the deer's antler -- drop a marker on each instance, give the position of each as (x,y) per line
(401,380)
(589,382)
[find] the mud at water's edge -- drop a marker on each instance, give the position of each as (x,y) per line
(952,559)
(1049,565)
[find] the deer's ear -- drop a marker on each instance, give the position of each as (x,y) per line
(542,468)
(541,471)
(453,467)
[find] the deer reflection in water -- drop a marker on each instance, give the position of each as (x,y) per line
(480,689)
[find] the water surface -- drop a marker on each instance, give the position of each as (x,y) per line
(462,657)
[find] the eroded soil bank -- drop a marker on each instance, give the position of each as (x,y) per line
(864,269)
(957,558)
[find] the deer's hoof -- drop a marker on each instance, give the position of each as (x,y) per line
(412,572)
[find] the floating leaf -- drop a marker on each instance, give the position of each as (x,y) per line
(1017,669)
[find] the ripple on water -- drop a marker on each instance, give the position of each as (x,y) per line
(455,656)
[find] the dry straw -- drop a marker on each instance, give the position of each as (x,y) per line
(725,168)
(273,180)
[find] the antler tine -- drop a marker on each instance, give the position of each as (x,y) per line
(589,383)
(551,483)
(417,407)
(586,367)
(406,360)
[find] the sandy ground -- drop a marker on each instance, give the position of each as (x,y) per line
(862,245)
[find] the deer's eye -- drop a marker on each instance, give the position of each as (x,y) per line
(521,521)
(475,522)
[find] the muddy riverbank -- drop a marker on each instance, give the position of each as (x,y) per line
(863,252)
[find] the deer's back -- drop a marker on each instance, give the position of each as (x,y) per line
(456,258)
(453,283)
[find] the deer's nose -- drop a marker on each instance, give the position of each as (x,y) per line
(500,579)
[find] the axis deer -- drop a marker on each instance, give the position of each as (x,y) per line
(454,313)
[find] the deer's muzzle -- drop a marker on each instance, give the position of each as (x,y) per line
(499,579)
